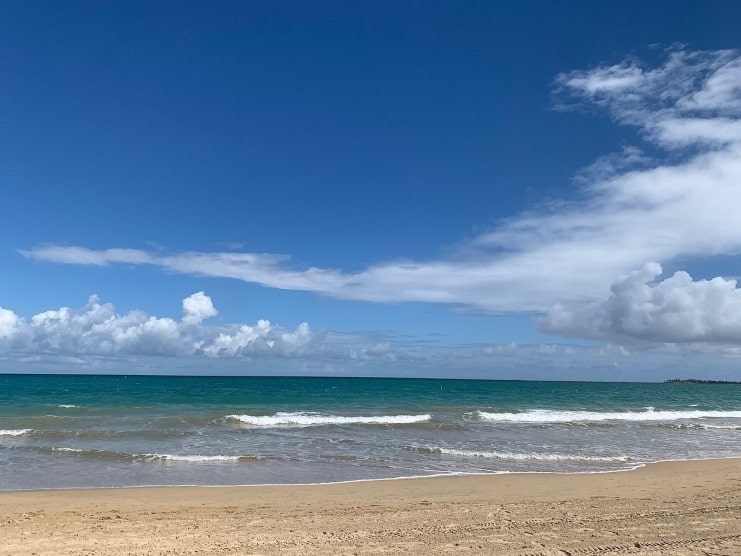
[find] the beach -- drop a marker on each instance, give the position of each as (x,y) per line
(97,464)
(690,507)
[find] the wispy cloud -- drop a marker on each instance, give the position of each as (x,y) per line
(83,256)
(633,209)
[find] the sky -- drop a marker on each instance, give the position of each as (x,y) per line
(510,190)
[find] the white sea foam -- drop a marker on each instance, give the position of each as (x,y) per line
(66,405)
(14,432)
(196,458)
(532,456)
(555,416)
(151,457)
(300,419)
(722,427)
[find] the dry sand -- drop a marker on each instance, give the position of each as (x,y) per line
(664,508)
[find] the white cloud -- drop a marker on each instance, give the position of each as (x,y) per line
(632,209)
(98,330)
(722,89)
(246,338)
(296,341)
(80,255)
(98,339)
(610,80)
(676,309)
(261,338)
(197,307)
(8,322)
(501,349)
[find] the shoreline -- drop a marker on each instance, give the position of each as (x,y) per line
(678,507)
(636,467)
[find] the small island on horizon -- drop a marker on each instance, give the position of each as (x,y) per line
(699,381)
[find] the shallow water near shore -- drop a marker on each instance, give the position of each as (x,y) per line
(65,431)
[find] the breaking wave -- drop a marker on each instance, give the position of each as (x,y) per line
(154,458)
(555,416)
(300,419)
(197,458)
(518,456)
(14,432)
(703,426)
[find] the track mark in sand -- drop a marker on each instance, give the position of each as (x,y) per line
(637,546)
(496,528)
(611,517)
(541,525)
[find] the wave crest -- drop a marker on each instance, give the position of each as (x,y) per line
(150,458)
(301,419)
(196,458)
(14,432)
(557,416)
(515,455)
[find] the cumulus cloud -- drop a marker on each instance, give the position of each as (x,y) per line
(97,329)
(632,208)
(261,338)
(198,307)
(8,322)
(676,309)
(98,338)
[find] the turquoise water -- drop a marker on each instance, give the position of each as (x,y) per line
(59,431)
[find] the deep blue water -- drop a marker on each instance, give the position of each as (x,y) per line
(86,431)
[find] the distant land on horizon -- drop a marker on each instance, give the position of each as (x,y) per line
(699,381)
(365,377)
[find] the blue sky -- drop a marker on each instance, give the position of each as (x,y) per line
(497,190)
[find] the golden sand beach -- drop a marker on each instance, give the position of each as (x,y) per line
(664,508)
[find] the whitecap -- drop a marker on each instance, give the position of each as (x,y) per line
(14,432)
(558,416)
(195,458)
(149,458)
(519,456)
(301,419)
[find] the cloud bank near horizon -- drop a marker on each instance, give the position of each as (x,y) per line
(639,309)
(562,259)
(97,329)
(95,338)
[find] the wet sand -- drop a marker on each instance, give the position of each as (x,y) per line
(678,508)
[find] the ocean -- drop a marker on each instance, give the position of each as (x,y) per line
(70,431)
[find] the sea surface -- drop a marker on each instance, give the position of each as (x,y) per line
(63,431)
